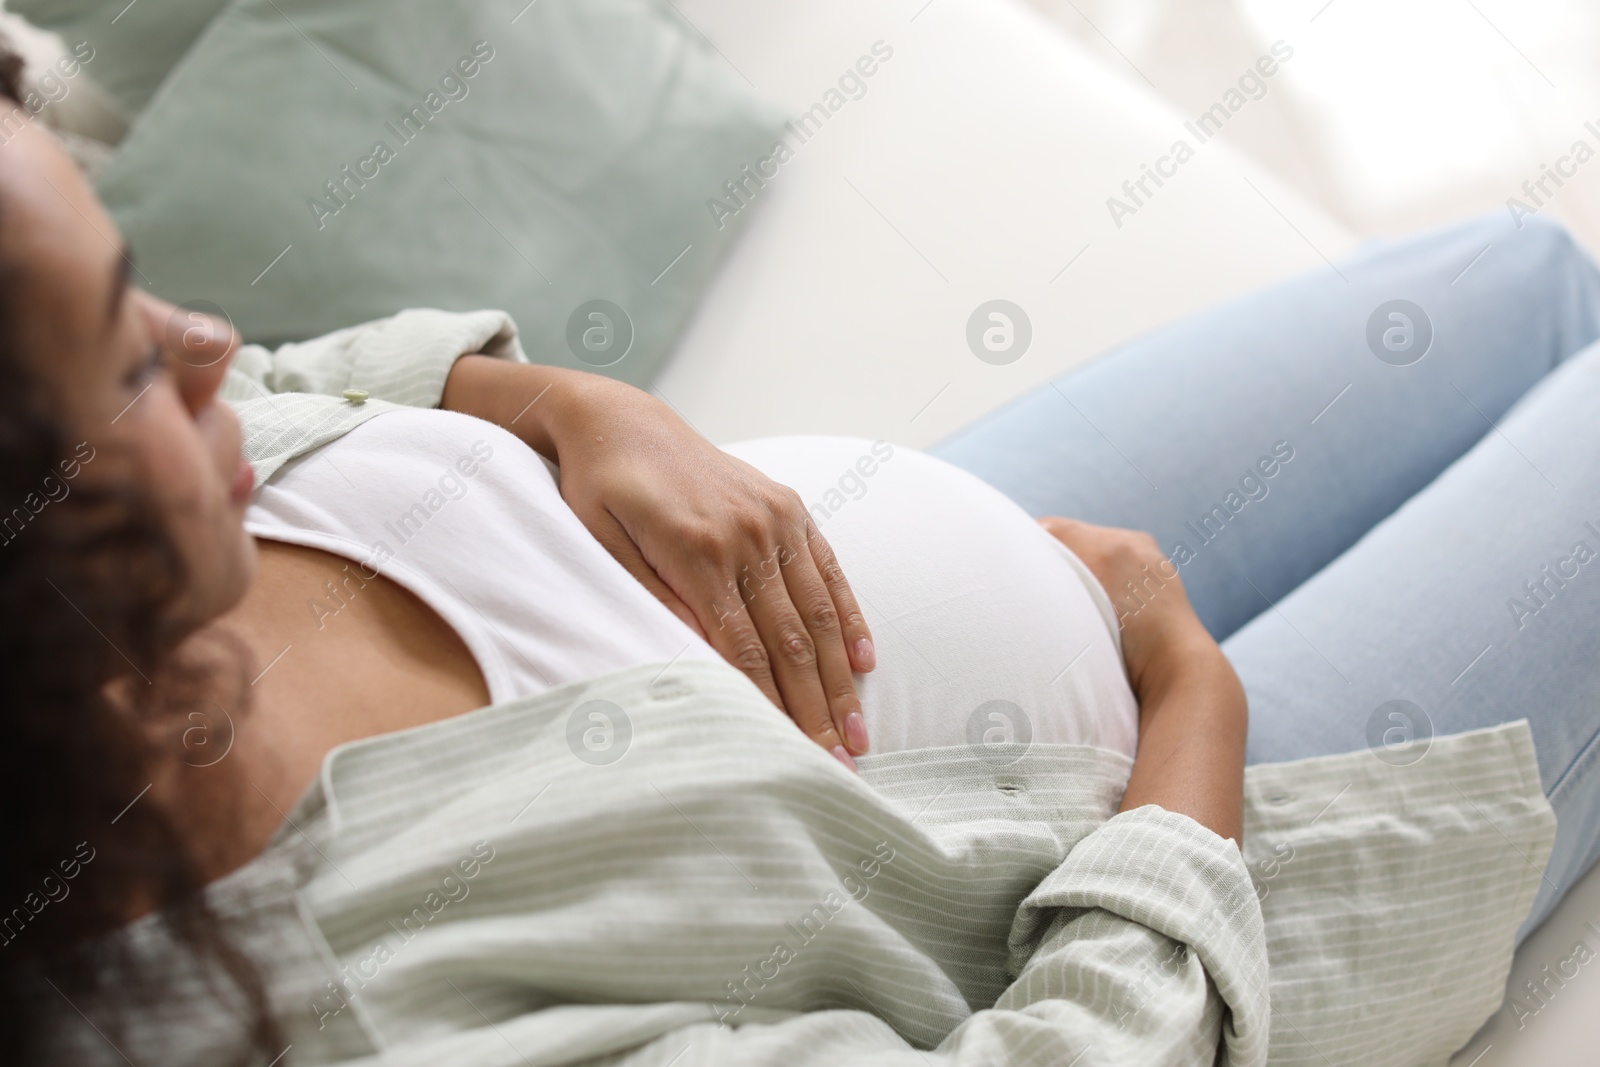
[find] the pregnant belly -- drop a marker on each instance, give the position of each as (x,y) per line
(987,629)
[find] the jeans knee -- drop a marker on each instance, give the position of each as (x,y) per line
(1551,234)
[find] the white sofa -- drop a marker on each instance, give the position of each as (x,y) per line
(976,167)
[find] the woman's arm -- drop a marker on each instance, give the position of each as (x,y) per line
(1191,743)
(731,552)
(1192,710)
(530,400)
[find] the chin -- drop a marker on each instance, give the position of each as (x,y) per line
(219,577)
(245,558)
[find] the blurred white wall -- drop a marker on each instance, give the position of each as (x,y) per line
(1391,115)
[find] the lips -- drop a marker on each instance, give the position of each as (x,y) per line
(244,482)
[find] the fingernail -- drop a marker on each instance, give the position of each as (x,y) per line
(844,757)
(855,732)
(866,658)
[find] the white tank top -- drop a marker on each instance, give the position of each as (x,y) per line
(986,628)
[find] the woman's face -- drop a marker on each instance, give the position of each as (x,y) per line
(133,376)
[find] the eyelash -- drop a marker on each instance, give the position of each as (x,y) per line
(154,360)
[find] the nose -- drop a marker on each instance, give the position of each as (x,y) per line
(199,347)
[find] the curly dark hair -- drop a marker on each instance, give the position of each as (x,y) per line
(85,583)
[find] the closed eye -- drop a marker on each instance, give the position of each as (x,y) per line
(148,368)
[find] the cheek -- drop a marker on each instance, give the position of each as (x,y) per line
(189,462)
(178,453)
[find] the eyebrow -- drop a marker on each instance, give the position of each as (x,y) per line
(120,271)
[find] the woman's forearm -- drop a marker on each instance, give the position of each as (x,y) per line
(1192,712)
(537,403)
(1192,728)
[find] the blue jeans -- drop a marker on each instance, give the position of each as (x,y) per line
(1369,501)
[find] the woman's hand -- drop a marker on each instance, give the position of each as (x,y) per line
(1159,626)
(731,552)
(1193,717)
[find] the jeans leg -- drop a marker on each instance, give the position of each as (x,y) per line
(1174,433)
(1478,601)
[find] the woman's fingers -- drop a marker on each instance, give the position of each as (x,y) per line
(817,604)
(756,579)
(726,624)
(737,639)
(1157,622)
(857,636)
(1070,532)
(805,652)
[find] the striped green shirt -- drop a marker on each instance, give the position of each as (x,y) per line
(698,885)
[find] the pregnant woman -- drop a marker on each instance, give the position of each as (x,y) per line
(350,729)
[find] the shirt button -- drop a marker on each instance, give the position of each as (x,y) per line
(356,396)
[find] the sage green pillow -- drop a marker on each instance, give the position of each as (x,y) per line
(135,44)
(310,164)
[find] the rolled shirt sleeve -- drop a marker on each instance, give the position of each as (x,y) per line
(1144,948)
(292,400)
